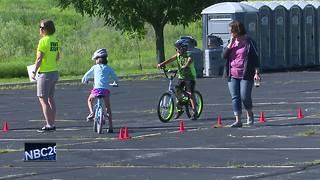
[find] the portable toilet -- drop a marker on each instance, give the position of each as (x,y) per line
(257,5)
(316,5)
(250,23)
(279,35)
(265,36)
(216,20)
(309,34)
(295,49)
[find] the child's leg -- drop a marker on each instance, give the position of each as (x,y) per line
(190,85)
(90,103)
(106,99)
(179,88)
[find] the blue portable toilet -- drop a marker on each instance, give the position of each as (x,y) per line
(251,27)
(295,49)
(265,30)
(257,5)
(250,23)
(216,20)
(316,5)
(279,35)
(309,33)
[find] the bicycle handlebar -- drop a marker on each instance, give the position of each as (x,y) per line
(114,84)
(166,72)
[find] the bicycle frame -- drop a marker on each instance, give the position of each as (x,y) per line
(170,77)
(169,100)
(99,115)
(100,111)
(98,104)
(184,100)
(171,88)
(99,100)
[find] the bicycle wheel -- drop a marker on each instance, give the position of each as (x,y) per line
(95,119)
(100,120)
(95,125)
(199,105)
(165,107)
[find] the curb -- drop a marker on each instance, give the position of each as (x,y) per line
(123,77)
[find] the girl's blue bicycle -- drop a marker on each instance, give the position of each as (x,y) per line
(100,113)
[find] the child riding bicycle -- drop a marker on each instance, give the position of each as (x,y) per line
(186,75)
(101,73)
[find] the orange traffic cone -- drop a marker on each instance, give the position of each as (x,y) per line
(261,119)
(300,114)
(5,127)
(126,133)
(121,134)
(219,123)
(181,127)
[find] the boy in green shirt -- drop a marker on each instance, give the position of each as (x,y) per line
(186,75)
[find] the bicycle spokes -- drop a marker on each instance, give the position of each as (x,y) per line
(198,105)
(165,107)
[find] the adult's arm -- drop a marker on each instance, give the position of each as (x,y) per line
(38,63)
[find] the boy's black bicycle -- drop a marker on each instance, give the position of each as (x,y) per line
(168,100)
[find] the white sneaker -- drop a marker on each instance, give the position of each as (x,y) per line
(90,117)
(250,121)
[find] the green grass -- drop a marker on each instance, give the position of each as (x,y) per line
(13,80)
(8,150)
(79,37)
(236,165)
(309,132)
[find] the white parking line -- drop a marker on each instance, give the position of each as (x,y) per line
(269,103)
(58,120)
(34,130)
(266,136)
(146,166)
(248,176)
(192,148)
(55,139)
(14,176)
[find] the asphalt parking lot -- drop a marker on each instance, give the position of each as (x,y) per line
(284,147)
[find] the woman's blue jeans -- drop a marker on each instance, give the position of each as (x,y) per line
(240,91)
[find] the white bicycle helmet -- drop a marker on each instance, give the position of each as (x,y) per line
(100,53)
